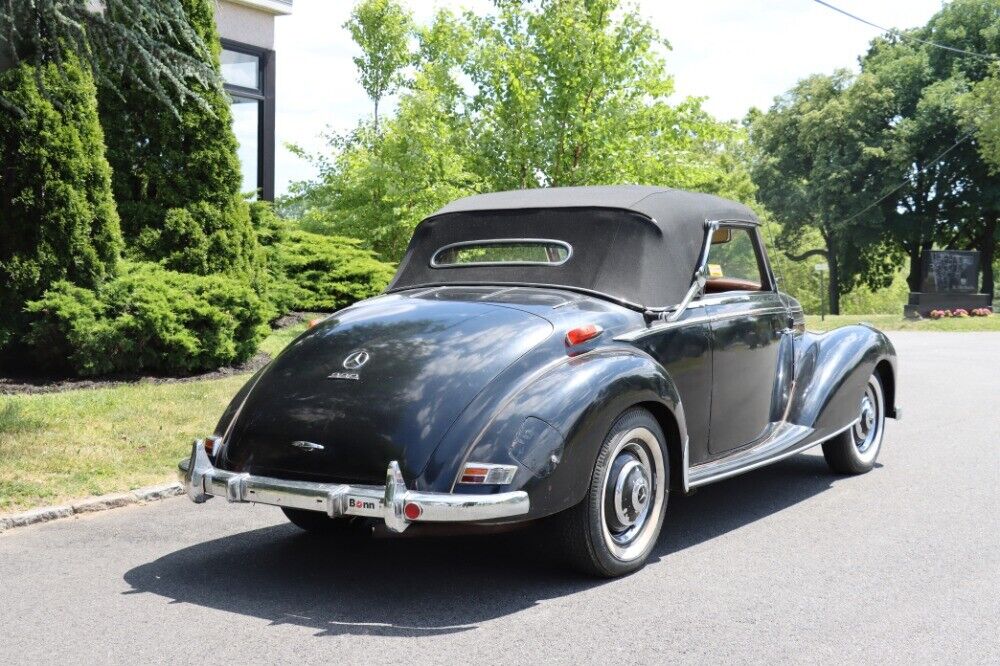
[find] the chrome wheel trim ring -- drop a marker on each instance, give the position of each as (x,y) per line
(867,431)
(632,543)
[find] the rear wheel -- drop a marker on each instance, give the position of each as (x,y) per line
(614,529)
(854,451)
(315,522)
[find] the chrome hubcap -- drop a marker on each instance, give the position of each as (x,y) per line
(867,427)
(629,494)
(633,494)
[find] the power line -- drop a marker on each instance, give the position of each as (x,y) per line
(906,181)
(905,36)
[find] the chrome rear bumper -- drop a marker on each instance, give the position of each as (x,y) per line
(390,502)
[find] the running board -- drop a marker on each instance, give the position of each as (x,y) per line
(785,439)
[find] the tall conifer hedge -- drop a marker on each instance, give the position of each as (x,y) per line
(57,215)
(176,175)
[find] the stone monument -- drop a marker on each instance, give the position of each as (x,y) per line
(949,280)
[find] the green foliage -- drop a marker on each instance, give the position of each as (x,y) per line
(952,201)
(57,216)
(880,163)
(177,176)
(980,109)
(818,152)
(141,44)
(312,272)
(538,94)
(380,28)
(148,319)
(330,272)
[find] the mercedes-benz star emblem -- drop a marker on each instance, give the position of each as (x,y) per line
(356,359)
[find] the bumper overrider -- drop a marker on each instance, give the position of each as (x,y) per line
(393,502)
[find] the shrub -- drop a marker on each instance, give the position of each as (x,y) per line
(177,177)
(982,312)
(272,281)
(960,312)
(57,216)
(329,272)
(149,319)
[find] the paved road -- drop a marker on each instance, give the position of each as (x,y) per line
(786,563)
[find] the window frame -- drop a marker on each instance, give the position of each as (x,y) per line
(503,241)
(264,94)
(767,282)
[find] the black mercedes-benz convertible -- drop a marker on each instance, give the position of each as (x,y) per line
(570,355)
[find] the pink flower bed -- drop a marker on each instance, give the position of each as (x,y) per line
(960,312)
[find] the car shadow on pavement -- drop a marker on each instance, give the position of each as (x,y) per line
(436,585)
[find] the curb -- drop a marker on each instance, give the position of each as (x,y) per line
(90,505)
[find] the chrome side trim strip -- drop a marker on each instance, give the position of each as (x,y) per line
(655,328)
(755,460)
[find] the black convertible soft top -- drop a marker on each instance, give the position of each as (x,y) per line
(635,243)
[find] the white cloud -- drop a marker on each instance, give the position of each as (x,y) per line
(737,53)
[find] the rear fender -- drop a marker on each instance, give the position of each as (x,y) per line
(554,426)
(832,370)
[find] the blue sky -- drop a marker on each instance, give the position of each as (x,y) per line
(736,53)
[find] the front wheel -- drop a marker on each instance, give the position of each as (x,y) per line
(614,529)
(854,451)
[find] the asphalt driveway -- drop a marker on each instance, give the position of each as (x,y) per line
(787,563)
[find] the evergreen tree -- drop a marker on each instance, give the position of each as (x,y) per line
(177,176)
(57,215)
(145,43)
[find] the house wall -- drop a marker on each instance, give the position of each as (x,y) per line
(244,24)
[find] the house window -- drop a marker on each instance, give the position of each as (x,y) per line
(248,74)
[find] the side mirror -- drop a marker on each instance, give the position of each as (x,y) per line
(720,236)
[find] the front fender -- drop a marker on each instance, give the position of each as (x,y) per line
(554,425)
(832,370)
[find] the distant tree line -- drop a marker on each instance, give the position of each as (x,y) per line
(888,163)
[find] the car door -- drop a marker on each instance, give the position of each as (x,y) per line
(684,349)
(751,345)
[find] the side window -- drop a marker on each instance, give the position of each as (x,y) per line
(732,262)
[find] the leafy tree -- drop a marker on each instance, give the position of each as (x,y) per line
(57,215)
(144,44)
(381,29)
(883,163)
(818,154)
(541,93)
(577,92)
(980,109)
(949,198)
(177,176)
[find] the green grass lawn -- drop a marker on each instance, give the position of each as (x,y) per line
(66,445)
(898,323)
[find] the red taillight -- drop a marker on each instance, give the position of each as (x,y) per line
(582,334)
(412,510)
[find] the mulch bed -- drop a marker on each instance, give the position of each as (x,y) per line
(53,384)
